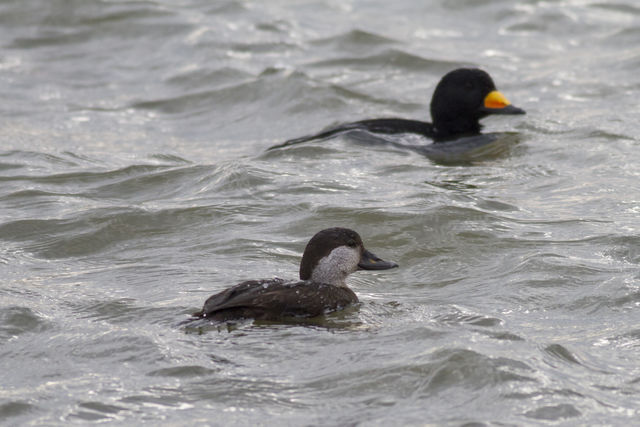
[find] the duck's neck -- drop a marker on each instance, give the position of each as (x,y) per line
(330,279)
(456,128)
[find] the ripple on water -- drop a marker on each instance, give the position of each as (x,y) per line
(97,411)
(561,353)
(89,233)
(16,321)
(443,371)
(395,58)
(115,311)
(183,372)
(91,229)
(250,93)
(354,41)
(554,412)
(9,410)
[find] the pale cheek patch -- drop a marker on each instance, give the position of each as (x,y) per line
(335,267)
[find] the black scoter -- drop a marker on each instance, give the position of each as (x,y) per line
(460,100)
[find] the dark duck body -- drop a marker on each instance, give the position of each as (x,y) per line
(329,257)
(460,100)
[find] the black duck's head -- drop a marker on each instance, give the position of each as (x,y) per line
(462,98)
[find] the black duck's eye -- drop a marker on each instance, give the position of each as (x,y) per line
(352,243)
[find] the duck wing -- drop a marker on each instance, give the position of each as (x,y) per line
(274,299)
(385,126)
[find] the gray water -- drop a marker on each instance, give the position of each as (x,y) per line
(136,183)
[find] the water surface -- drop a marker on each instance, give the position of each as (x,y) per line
(136,183)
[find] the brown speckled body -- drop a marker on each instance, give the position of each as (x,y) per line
(274,299)
(329,257)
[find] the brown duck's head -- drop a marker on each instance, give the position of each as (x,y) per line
(334,253)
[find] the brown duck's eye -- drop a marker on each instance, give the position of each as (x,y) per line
(352,243)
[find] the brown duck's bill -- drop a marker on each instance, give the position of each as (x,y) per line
(370,261)
(497,103)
